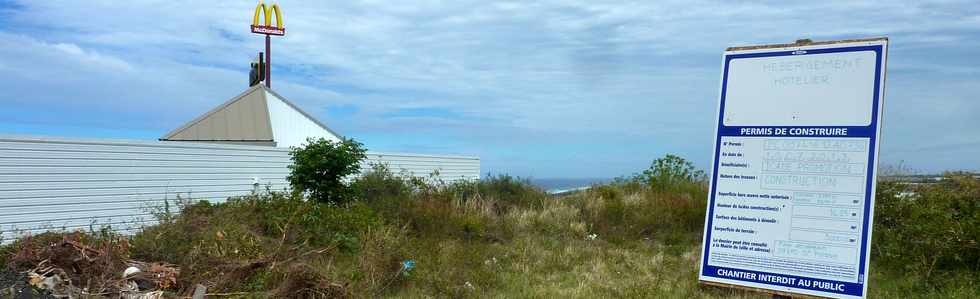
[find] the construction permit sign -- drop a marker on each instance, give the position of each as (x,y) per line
(793,173)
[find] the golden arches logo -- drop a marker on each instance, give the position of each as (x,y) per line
(266,27)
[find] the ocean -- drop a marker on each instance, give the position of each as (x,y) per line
(558,185)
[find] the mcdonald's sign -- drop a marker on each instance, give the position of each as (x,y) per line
(266,27)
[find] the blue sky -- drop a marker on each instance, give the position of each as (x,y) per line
(541,89)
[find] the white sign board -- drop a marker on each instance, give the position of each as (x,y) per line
(793,175)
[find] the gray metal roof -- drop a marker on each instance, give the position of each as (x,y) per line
(243,118)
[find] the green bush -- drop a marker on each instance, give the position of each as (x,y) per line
(673,174)
(666,202)
(299,221)
(929,229)
(326,225)
(320,168)
(466,209)
(380,183)
(510,192)
(621,212)
(205,237)
(628,184)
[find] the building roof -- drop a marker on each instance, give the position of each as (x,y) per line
(256,116)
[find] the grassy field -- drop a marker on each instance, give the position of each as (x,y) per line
(503,238)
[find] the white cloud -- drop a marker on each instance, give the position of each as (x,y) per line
(621,70)
(92,58)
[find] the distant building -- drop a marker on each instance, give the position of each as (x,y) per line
(258,116)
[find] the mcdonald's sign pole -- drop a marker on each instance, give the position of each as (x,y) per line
(268,61)
(268,30)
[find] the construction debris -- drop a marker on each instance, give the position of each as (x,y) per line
(70,269)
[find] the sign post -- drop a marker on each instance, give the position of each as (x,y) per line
(793,173)
(268,30)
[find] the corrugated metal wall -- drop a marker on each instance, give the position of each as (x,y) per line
(67,184)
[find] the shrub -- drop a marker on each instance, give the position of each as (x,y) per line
(380,183)
(620,212)
(321,166)
(929,228)
(666,202)
(673,174)
(628,184)
(252,242)
(510,192)
(326,225)
(465,209)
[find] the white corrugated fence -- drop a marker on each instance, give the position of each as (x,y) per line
(58,184)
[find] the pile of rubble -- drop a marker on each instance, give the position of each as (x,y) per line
(67,268)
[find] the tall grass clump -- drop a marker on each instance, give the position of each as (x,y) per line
(665,202)
(462,209)
(511,192)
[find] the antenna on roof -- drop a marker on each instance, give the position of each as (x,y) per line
(256,74)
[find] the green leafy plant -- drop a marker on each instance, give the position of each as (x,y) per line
(320,168)
(930,229)
(380,183)
(671,173)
